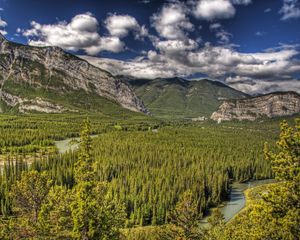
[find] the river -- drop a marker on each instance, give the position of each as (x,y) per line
(66,145)
(237,200)
(237,197)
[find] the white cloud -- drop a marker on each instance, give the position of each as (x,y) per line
(223,36)
(81,33)
(267,10)
(221,33)
(3,23)
(3,32)
(214,9)
(121,25)
(176,45)
(111,44)
(261,86)
(252,72)
(259,34)
(215,26)
(140,68)
(241,2)
(290,9)
(172,21)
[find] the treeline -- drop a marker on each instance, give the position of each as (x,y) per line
(37,132)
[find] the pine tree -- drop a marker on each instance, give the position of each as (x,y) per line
(277,214)
(184,220)
(30,192)
(84,171)
(94,214)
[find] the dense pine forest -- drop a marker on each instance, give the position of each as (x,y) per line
(146,168)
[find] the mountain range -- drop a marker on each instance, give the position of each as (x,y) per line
(48,79)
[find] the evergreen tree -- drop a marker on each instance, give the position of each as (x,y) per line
(30,192)
(94,214)
(84,171)
(184,220)
(277,214)
(216,218)
(216,225)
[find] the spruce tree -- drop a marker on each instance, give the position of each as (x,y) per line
(184,220)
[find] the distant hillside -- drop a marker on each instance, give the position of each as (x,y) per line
(48,79)
(271,105)
(179,98)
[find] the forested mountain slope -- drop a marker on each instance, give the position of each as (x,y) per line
(179,98)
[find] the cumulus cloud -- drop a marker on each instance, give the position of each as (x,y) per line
(138,68)
(261,86)
(221,33)
(261,72)
(3,32)
(241,2)
(290,9)
(111,44)
(81,33)
(3,24)
(121,25)
(172,21)
(214,9)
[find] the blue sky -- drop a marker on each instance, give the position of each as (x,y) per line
(250,45)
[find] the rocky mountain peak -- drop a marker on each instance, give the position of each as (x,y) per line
(53,69)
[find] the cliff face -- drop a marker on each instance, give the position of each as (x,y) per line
(270,105)
(52,69)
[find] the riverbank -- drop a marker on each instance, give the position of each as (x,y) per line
(237,199)
(252,195)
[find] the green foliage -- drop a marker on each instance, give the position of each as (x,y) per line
(142,233)
(55,215)
(277,214)
(84,171)
(216,226)
(177,98)
(184,220)
(286,161)
(30,192)
(144,169)
(148,170)
(94,213)
(216,218)
(34,133)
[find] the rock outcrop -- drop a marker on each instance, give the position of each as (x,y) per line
(55,70)
(267,106)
